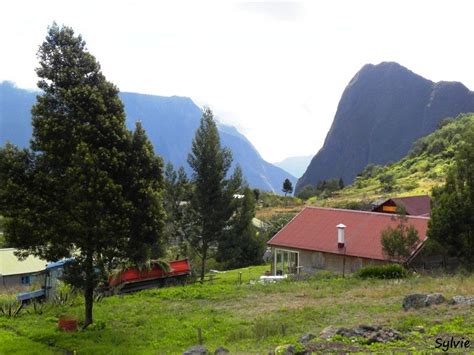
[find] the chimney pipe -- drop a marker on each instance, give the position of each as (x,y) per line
(340,235)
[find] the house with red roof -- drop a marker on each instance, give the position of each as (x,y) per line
(336,240)
(412,205)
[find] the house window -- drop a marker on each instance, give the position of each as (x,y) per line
(286,262)
(25,280)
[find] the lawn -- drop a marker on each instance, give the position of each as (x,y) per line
(246,317)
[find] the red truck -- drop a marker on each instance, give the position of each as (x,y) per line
(133,279)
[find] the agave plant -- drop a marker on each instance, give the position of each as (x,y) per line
(11,309)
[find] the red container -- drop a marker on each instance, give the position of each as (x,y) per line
(177,268)
(67,324)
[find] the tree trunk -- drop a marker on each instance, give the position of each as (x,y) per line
(89,291)
(203,261)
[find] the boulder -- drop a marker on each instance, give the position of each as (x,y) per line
(416,300)
(196,350)
(434,298)
(419,300)
(462,300)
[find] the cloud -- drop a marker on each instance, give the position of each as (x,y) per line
(276,10)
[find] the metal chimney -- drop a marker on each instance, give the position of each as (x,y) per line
(340,235)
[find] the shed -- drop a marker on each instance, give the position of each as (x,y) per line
(413,205)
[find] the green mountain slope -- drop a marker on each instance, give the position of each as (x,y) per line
(425,166)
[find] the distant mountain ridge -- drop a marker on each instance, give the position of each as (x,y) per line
(382,111)
(295,165)
(170,123)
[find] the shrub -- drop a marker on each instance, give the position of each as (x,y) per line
(390,271)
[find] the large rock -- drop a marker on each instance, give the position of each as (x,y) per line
(382,111)
(419,300)
(462,300)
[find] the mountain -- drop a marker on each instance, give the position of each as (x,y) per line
(382,111)
(170,123)
(425,166)
(295,165)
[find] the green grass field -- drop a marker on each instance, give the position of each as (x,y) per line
(245,318)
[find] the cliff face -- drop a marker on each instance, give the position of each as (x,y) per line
(382,111)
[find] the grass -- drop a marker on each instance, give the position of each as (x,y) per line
(245,318)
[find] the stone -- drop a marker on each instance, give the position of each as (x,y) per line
(196,350)
(328,332)
(434,298)
(306,338)
(286,349)
(419,329)
(221,351)
(416,300)
(462,300)
(347,332)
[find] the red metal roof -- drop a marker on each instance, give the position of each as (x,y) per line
(315,229)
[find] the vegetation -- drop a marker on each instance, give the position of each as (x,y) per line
(287,187)
(88,187)
(398,243)
(212,202)
(242,245)
(389,271)
(323,189)
(425,167)
(452,219)
(248,317)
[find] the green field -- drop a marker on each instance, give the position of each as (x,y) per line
(247,317)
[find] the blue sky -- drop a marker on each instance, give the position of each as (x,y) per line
(274,69)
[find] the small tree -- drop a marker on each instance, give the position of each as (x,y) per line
(287,187)
(398,243)
(242,245)
(177,194)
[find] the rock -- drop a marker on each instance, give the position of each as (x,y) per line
(373,334)
(196,350)
(306,338)
(328,332)
(419,329)
(419,300)
(221,351)
(462,300)
(434,298)
(416,300)
(347,332)
(286,349)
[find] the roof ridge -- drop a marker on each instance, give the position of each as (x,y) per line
(365,212)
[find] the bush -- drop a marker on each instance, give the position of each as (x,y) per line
(390,271)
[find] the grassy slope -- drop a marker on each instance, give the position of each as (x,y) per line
(246,318)
(416,174)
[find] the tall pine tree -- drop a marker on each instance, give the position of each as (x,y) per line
(212,198)
(90,189)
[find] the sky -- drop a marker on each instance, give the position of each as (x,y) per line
(274,69)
